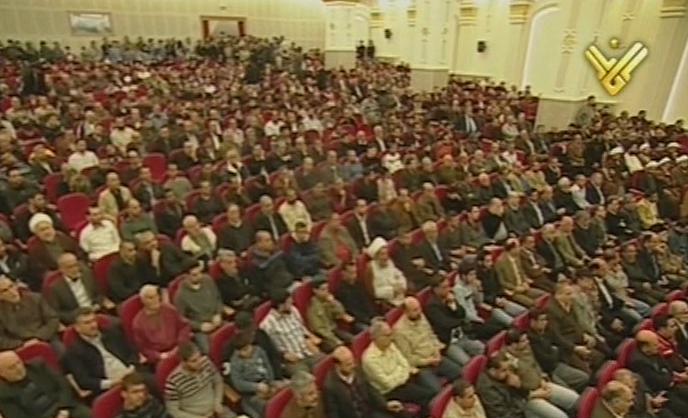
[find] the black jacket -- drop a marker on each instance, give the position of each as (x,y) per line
(339,397)
(262,223)
(432,262)
(236,238)
(85,363)
(51,393)
(357,232)
(443,319)
(654,371)
(151,409)
(356,301)
(544,350)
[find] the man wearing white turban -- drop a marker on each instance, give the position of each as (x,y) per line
(388,282)
(47,244)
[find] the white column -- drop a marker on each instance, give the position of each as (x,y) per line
(346,23)
(431,25)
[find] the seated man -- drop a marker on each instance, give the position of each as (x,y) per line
(49,246)
(76,288)
(500,391)
(645,404)
(164,261)
(416,340)
(579,349)
(195,388)
(472,232)
(299,346)
(388,282)
(306,402)
(464,402)
(137,401)
(199,302)
(336,244)
(448,321)
(323,314)
(574,256)
(136,220)
(127,273)
(548,355)
(14,264)
(100,237)
(200,241)
(252,375)
(346,385)
(98,359)
(354,298)
(267,268)
(236,235)
(293,210)
(512,278)
(207,206)
(269,220)
(679,312)
(303,255)
(236,291)
(390,373)
(437,258)
(25,318)
(34,390)
(616,400)
(158,328)
(546,399)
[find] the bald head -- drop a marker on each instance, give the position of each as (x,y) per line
(648,342)
(679,310)
(626,377)
(11,367)
(412,308)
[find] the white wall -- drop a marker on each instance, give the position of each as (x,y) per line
(301,21)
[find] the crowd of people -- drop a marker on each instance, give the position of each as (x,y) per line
(221,228)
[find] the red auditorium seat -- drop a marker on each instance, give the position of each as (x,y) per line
(108,404)
(218,342)
(360,343)
(522,322)
(334,278)
(624,351)
(393,316)
(49,279)
(173,287)
(495,343)
(587,402)
(52,185)
(606,372)
(302,299)
(660,309)
(73,209)
(100,272)
(440,402)
(40,352)
(473,368)
(322,369)
(424,296)
(157,164)
(127,313)
(675,295)
(277,403)
(164,368)
(261,312)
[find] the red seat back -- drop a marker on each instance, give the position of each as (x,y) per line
(624,352)
(360,343)
(473,368)
(439,403)
(101,269)
(108,404)
(127,313)
(218,342)
(40,351)
(69,336)
(495,343)
(393,316)
(173,287)
(261,312)
(277,403)
(73,209)
(302,299)
(52,184)
(322,369)
(158,165)
(587,402)
(165,367)
(606,373)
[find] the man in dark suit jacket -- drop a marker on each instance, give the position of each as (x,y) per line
(360,226)
(42,259)
(269,220)
(348,394)
(532,211)
(236,235)
(162,261)
(146,190)
(34,390)
(168,216)
(548,251)
(84,358)
(76,288)
(649,364)
(436,258)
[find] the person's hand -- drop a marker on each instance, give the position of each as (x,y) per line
(539,393)
(108,304)
(582,350)
(228,311)
(291,357)
(31,341)
(617,325)
(647,285)
(217,320)
(395,406)
(62,413)
(348,318)
(207,326)
(501,302)
(164,355)
(513,380)
(590,341)
(262,388)
(414,370)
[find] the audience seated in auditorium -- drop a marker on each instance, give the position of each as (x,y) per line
(137,401)
(100,237)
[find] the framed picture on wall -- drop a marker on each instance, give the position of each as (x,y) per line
(90,23)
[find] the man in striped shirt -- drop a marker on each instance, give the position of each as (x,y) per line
(194,389)
(284,324)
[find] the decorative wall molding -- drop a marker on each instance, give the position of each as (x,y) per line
(673,9)
(519,11)
(468,14)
